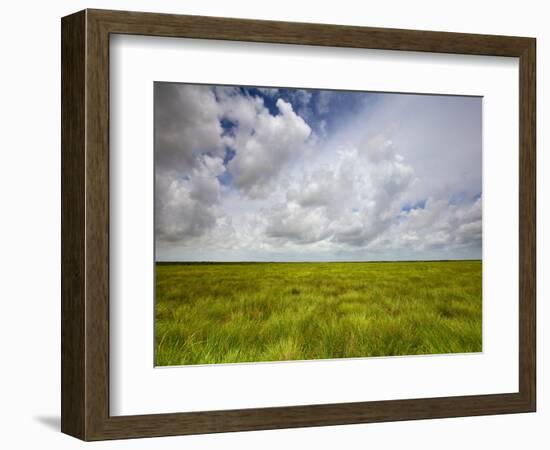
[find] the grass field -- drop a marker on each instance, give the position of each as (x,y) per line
(229,313)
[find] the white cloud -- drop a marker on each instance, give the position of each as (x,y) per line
(186,208)
(301,98)
(291,223)
(264,144)
(323,101)
(437,225)
(349,200)
(271,92)
(186,125)
(190,146)
(288,193)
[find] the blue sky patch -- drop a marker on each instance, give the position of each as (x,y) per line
(410,206)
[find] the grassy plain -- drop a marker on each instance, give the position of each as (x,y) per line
(244,312)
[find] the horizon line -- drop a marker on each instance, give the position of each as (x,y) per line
(327,261)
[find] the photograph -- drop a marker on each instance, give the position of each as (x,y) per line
(272,221)
(298,224)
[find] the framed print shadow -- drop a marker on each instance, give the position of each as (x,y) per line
(265,223)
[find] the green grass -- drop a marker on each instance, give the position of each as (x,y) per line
(229,313)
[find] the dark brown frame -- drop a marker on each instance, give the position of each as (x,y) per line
(85,224)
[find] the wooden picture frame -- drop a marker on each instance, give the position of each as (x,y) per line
(85,224)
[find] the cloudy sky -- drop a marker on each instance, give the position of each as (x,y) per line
(264,174)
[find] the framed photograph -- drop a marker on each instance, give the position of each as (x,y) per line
(273,225)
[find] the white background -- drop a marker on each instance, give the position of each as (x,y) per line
(30,235)
(139,388)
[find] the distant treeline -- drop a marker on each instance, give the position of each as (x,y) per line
(194,263)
